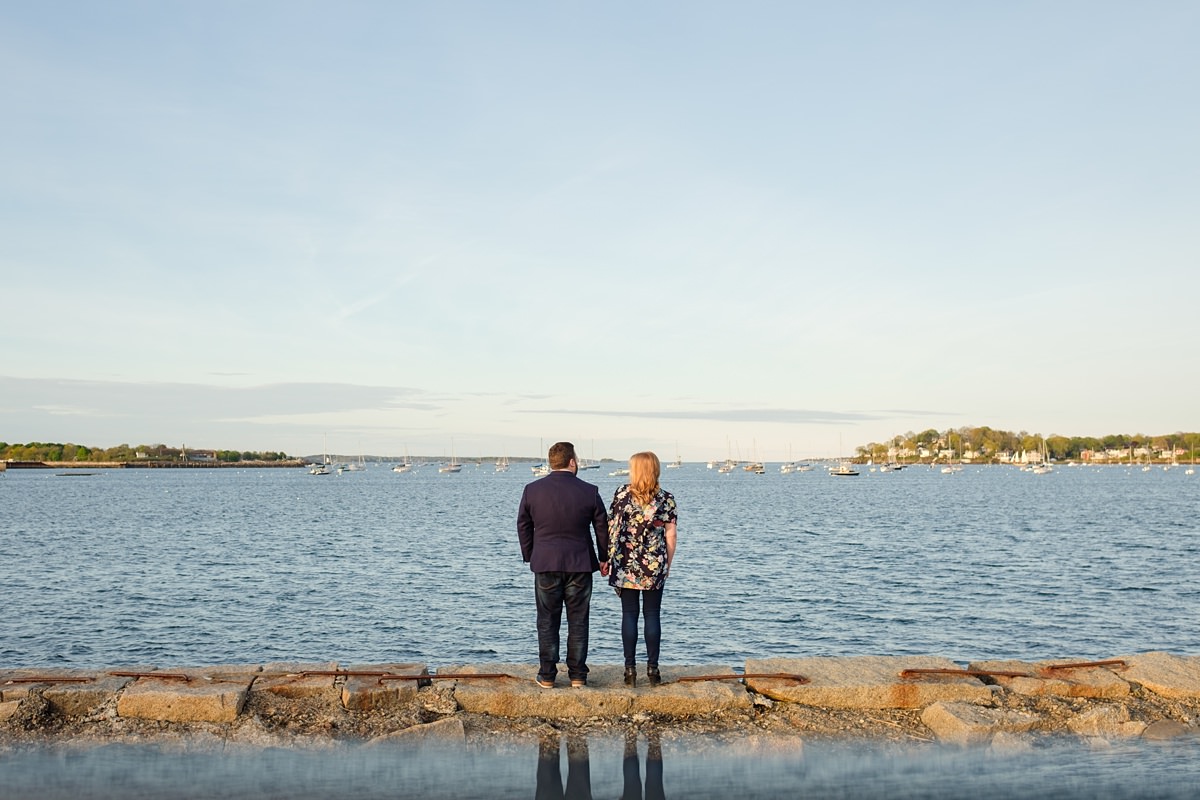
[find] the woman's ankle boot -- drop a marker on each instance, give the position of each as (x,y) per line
(631,676)
(652,676)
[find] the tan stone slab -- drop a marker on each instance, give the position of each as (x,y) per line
(15,684)
(211,694)
(1091,682)
(9,691)
(369,692)
(285,679)
(8,708)
(865,682)
(968,724)
(606,694)
(675,698)
(1167,675)
(71,692)
(519,696)
(439,732)
(81,699)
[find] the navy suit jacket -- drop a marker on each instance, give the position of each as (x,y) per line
(553,520)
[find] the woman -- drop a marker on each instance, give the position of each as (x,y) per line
(641,534)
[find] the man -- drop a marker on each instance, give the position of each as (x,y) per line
(552,526)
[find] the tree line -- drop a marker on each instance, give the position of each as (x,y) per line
(122,453)
(989,443)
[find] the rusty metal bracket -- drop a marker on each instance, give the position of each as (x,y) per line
(1113,662)
(166,676)
(340,673)
(452,676)
(970,673)
(350,673)
(784,676)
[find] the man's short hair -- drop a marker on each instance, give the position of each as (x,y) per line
(561,454)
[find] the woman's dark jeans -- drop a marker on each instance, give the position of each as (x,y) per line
(552,591)
(651,603)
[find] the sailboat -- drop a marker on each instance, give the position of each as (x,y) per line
(755,466)
(952,467)
(844,469)
(589,463)
(453,466)
(1043,466)
(324,468)
(358,466)
(502,464)
(678,462)
(404,466)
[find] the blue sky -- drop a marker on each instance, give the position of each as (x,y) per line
(766,227)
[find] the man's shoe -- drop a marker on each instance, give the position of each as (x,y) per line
(631,677)
(578,683)
(542,682)
(653,676)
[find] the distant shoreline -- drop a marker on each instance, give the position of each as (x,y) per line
(292,463)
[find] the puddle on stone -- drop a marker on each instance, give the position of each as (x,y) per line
(602,767)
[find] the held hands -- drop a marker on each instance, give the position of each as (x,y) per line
(604,569)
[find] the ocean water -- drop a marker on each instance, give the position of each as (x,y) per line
(208,566)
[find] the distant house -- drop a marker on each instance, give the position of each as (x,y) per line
(199,455)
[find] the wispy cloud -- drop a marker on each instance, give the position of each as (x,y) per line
(199,401)
(71,411)
(775,415)
(357,307)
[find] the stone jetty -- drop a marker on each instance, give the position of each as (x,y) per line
(921,698)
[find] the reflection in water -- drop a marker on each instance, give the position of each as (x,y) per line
(579,768)
(654,768)
(549,776)
(604,766)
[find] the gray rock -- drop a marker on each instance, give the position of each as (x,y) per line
(1102,721)
(442,731)
(966,724)
(1165,729)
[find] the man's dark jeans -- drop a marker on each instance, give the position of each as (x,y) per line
(553,590)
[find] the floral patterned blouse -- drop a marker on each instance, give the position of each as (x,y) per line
(637,536)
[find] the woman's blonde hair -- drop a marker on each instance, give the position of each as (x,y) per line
(643,476)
